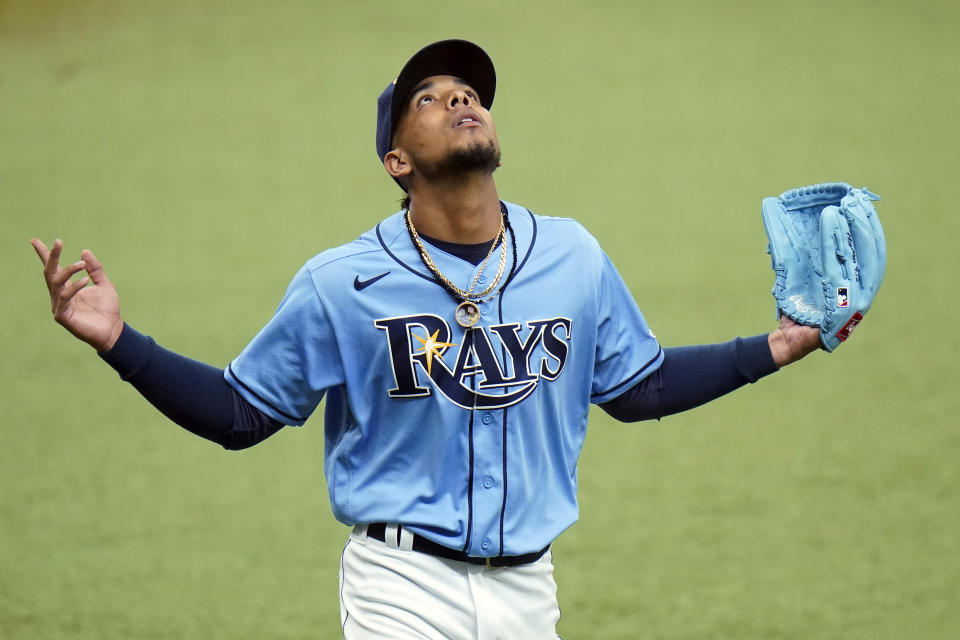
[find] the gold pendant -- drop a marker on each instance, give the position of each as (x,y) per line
(467,314)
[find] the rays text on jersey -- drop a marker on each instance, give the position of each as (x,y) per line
(472,376)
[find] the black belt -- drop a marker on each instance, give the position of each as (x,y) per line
(377,531)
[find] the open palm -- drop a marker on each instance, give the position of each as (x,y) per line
(91,313)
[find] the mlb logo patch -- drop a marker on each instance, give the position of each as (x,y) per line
(842,299)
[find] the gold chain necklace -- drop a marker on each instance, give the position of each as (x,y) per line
(467,313)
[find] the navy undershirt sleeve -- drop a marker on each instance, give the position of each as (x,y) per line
(192,394)
(692,376)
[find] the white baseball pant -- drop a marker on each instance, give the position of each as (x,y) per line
(389,591)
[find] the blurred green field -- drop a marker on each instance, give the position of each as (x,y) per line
(205,149)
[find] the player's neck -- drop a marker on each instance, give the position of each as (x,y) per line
(467,212)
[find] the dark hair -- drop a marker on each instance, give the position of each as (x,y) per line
(405,201)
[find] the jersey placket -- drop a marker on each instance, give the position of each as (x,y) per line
(487,484)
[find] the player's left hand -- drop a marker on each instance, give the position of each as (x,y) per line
(828,253)
(792,341)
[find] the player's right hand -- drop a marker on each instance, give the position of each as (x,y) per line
(91,313)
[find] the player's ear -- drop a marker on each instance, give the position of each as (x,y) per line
(397,163)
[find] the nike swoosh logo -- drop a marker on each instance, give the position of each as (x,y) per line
(360,285)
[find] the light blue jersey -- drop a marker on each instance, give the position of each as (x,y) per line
(468,437)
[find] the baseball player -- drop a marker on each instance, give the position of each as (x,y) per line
(458,345)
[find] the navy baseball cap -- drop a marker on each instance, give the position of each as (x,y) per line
(458,58)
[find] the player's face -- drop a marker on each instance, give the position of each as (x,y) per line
(444,119)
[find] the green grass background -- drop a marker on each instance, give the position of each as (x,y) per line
(204,149)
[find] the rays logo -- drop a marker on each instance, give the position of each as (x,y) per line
(474,377)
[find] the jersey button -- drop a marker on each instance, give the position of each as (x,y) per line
(487,418)
(488,482)
(482,278)
(485,543)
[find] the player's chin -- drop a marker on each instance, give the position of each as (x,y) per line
(480,153)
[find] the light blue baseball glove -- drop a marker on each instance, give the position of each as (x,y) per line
(828,253)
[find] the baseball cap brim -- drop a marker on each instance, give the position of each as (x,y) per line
(458,58)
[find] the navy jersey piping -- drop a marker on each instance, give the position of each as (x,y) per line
(503,504)
(503,437)
(466,544)
(260,398)
(401,262)
(633,377)
(533,240)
